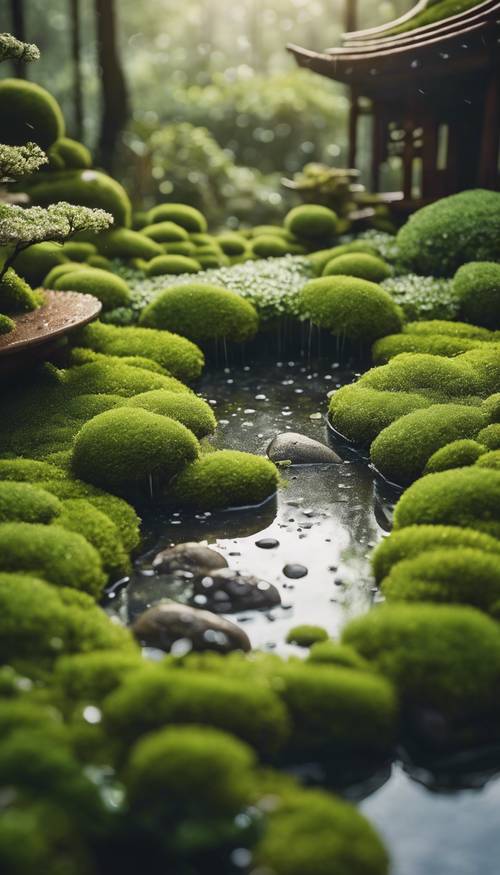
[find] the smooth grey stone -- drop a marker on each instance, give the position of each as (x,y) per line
(188,557)
(300,450)
(168,623)
(295,571)
(228,591)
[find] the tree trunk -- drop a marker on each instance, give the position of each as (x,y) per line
(114,103)
(75,24)
(19,31)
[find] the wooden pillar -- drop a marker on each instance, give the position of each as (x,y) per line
(430,183)
(351,16)
(353,128)
(19,31)
(378,134)
(490,134)
(75,24)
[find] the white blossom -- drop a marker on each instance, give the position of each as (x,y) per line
(19,161)
(13,49)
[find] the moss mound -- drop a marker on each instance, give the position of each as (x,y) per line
(90,677)
(78,251)
(184,247)
(411,372)
(268,246)
(26,503)
(232,244)
(335,654)
(124,243)
(82,356)
(79,515)
(456,454)
(111,290)
(201,312)
(125,448)
(34,263)
(440,237)
(166,232)
(360,413)
(490,460)
(171,264)
(29,112)
(59,270)
(486,363)
(311,222)
(114,379)
(490,436)
(386,348)
(90,188)
(15,294)
(320,259)
(468,497)
(350,307)
(184,407)
(358,264)
(181,214)
(478,287)
(52,553)
(449,329)
(224,478)
(28,470)
(68,154)
(400,452)
(445,657)
(306,636)
(6,324)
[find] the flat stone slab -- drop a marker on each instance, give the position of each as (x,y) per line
(61,312)
(290,446)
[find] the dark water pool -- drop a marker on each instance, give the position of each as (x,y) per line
(438,819)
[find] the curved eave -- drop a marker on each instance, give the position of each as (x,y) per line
(375,33)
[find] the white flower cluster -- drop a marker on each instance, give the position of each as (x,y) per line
(19,161)
(21,227)
(13,49)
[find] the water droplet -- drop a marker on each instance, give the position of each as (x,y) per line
(267,543)
(295,570)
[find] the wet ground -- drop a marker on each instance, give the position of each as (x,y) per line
(442,819)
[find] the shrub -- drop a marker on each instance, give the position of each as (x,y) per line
(410,372)
(201,311)
(78,251)
(28,470)
(114,379)
(311,222)
(490,460)
(124,243)
(125,448)
(360,413)
(490,436)
(467,497)
(29,112)
(433,344)
(462,574)
(350,307)
(224,478)
(267,246)
(456,454)
(171,264)
(27,503)
(184,407)
(34,263)
(111,290)
(306,636)
(15,294)
(89,188)
(358,264)
(438,656)
(56,555)
(166,232)
(155,697)
(68,154)
(440,237)
(401,451)
(180,357)
(79,515)
(187,217)
(478,288)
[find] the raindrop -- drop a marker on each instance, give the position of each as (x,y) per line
(295,570)
(267,543)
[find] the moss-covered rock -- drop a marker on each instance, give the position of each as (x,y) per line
(358,264)
(59,270)
(15,294)
(311,222)
(306,636)
(184,407)
(90,188)
(82,355)
(468,497)
(411,372)
(111,290)
(433,344)
(90,677)
(78,252)
(456,454)
(340,655)
(232,244)
(79,515)
(124,243)
(490,460)
(184,247)
(360,413)
(171,264)
(202,312)
(29,470)
(100,261)
(490,436)
(349,307)
(127,448)
(114,379)
(320,259)
(6,324)
(187,217)
(401,451)
(29,112)
(440,237)
(485,362)
(478,287)
(68,154)
(268,246)
(26,503)
(224,478)
(35,262)
(444,327)
(166,232)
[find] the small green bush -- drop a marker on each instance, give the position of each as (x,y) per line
(78,251)
(306,636)
(201,312)
(478,287)
(358,264)
(440,237)
(311,222)
(400,452)
(187,217)
(111,290)
(360,413)
(490,436)
(26,503)
(15,294)
(79,515)
(68,154)
(166,232)
(90,188)
(411,372)
(433,344)
(490,460)
(456,454)
(224,478)
(171,264)
(467,497)
(267,246)
(34,263)
(350,307)
(184,407)
(29,112)
(124,243)
(125,448)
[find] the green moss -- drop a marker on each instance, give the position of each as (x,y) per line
(29,112)
(59,270)
(320,259)
(114,379)
(456,454)
(90,677)
(224,478)
(176,354)
(490,436)
(358,264)
(82,355)
(187,217)
(440,237)
(311,222)
(52,553)
(400,452)
(139,219)
(486,363)
(306,636)
(232,244)
(458,330)
(461,574)
(350,307)
(490,460)
(78,251)
(478,288)
(90,188)
(211,262)
(335,654)
(15,294)
(100,261)
(171,264)
(185,247)
(410,372)
(360,413)
(39,837)
(156,696)
(201,312)
(124,243)
(166,232)
(26,503)
(68,154)
(467,497)
(267,246)
(34,263)
(28,470)
(444,657)
(23,713)
(184,407)
(313,832)
(79,515)
(111,290)
(132,448)
(6,324)
(432,344)
(433,12)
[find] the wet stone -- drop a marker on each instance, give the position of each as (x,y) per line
(300,450)
(190,556)
(267,543)
(227,591)
(295,570)
(168,624)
